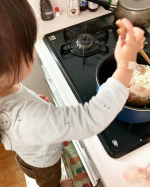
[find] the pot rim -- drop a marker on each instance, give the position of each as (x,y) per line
(97,70)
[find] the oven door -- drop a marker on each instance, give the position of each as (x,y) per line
(79,145)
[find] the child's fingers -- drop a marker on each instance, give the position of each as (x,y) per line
(138,34)
(141,46)
(142,43)
(120,42)
(43,97)
(136,30)
(139,37)
(142,40)
(129,28)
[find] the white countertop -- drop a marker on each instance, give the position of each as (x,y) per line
(110,169)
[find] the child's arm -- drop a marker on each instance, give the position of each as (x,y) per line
(54,124)
(44,123)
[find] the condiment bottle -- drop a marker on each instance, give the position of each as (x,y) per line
(83,5)
(57,13)
(93,7)
(73,8)
(46,10)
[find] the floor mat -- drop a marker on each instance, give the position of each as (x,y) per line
(74,166)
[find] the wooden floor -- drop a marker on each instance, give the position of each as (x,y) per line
(10,174)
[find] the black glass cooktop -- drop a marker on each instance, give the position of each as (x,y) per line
(77,58)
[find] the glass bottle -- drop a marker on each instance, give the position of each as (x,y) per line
(73,8)
(83,5)
(93,7)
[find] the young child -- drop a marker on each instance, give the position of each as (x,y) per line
(35,129)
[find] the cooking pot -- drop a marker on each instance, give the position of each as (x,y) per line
(105,69)
(137,11)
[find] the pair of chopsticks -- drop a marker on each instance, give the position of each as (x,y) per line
(122,31)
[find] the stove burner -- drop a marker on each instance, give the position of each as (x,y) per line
(84,41)
(85,44)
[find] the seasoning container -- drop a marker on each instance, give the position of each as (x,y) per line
(83,5)
(73,8)
(93,7)
(57,13)
(46,10)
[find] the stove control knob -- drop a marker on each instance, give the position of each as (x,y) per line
(115,143)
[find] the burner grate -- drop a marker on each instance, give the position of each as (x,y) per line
(85,44)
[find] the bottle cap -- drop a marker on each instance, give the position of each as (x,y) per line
(56,9)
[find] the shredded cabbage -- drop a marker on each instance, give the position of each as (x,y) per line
(143,80)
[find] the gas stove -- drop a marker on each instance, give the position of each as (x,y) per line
(77,51)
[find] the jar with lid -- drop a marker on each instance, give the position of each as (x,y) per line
(93,7)
(73,8)
(83,5)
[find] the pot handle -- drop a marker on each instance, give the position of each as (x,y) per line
(107,5)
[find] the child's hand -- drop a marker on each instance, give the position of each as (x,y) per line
(43,97)
(126,51)
(127,47)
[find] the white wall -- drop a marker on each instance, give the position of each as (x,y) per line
(55,3)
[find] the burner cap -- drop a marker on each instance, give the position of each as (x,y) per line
(84,41)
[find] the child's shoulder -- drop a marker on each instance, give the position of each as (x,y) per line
(24,100)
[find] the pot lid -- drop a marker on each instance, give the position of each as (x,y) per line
(135,4)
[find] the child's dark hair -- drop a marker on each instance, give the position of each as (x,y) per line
(18,32)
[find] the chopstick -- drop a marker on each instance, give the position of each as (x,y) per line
(145,56)
(122,31)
